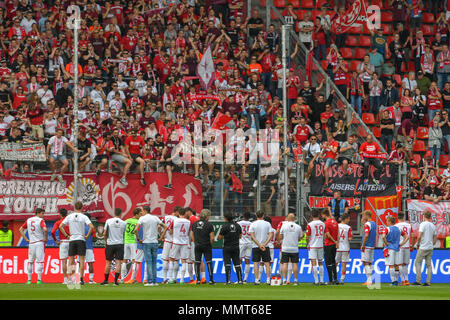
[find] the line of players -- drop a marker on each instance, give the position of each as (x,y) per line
(256,242)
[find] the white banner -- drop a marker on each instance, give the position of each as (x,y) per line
(11,151)
(439,215)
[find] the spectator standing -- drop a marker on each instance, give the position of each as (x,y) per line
(306,28)
(434,141)
(375,87)
(443,67)
(366,70)
(425,242)
(337,206)
(423,83)
(387,131)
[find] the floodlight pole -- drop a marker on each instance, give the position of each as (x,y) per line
(284,31)
(75,112)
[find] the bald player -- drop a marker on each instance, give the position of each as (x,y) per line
(289,235)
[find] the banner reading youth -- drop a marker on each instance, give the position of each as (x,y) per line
(352,184)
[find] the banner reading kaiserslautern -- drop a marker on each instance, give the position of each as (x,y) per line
(14,261)
(352,184)
(439,215)
(186,191)
(11,151)
(23,193)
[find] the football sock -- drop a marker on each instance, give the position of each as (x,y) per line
(227,272)
(191,271)
(106,277)
(210,270)
(165,268)
(175,270)
(392,274)
(314,269)
(238,270)
(342,277)
(404,273)
(246,271)
(183,271)
(171,267)
(321,272)
(116,277)
(197,271)
(123,271)
(133,271)
(39,270)
(30,270)
(203,275)
(397,273)
(368,271)
(91,277)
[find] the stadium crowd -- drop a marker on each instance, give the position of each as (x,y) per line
(137,67)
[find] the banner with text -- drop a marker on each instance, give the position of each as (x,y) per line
(11,151)
(351,184)
(439,215)
(14,261)
(23,193)
(186,191)
(318,202)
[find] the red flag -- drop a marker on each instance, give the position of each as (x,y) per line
(355,15)
(237,184)
(220,121)
(309,66)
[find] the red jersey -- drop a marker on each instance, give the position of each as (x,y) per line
(193,218)
(135,144)
(328,152)
(332,227)
(56,228)
(370,148)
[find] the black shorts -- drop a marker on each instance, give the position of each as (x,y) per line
(258,255)
(289,257)
(135,156)
(166,162)
(114,251)
(77,247)
(231,254)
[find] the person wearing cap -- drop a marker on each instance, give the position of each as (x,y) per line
(293,86)
(423,83)
(432,192)
(379,41)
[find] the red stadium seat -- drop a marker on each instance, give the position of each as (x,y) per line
(386,29)
(386,16)
(443,161)
(321,3)
(411,66)
(415,173)
(368,118)
(347,53)
(262,3)
(428,18)
(427,30)
(308,4)
(279,3)
(295,3)
(422,133)
(362,132)
(416,157)
(351,41)
(419,146)
(301,14)
(376,132)
(360,53)
(364,41)
(354,65)
(355,30)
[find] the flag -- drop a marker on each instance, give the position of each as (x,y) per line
(237,184)
(309,65)
(220,121)
(205,69)
(355,15)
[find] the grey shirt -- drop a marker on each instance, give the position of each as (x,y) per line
(348,154)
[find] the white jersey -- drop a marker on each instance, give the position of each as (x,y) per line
(315,230)
(35,227)
(77,222)
(271,244)
(181,228)
(345,232)
(261,230)
(405,228)
(291,232)
(115,229)
(168,220)
(245,226)
(149,224)
(428,230)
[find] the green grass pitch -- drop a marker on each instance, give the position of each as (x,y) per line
(304,291)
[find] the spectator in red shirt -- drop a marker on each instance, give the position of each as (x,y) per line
(35,117)
(329,154)
(133,146)
(331,240)
(369,151)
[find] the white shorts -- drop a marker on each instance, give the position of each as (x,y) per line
(393,258)
(180,251)
(166,251)
(404,256)
(139,255)
(64,250)
(342,256)
(89,255)
(192,254)
(367,255)
(245,251)
(129,251)
(315,254)
(36,252)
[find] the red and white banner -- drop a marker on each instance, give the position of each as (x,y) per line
(355,15)
(186,192)
(440,216)
(317,202)
(205,69)
(21,194)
